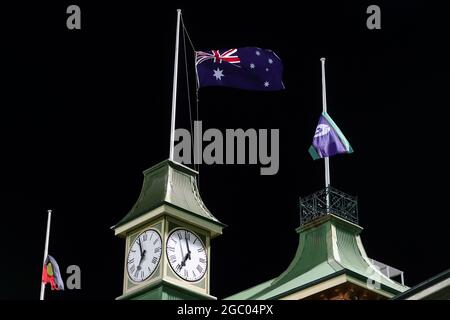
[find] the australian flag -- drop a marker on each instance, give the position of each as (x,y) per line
(247,68)
(328,139)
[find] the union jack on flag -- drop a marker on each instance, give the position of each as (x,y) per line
(249,68)
(227,56)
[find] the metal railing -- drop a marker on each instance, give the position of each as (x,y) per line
(328,201)
(389,271)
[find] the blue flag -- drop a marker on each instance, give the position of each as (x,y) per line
(247,68)
(328,139)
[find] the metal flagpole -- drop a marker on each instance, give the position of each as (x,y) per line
(47,237)
(174,89)
(327,160)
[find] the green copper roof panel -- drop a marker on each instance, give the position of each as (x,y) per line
(327,248)
(313,250)
(320,271)
(171,183)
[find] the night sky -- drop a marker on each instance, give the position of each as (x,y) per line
(83,113)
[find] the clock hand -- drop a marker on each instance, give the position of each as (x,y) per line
(140,246)
(142,260)
(189,251)
(188,255)
(142,252)
(182,254)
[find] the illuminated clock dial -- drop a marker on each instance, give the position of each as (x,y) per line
(144,255)
(187,255)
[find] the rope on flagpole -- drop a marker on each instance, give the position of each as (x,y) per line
(187,33)
(188,88)
(198,142)
(196,166)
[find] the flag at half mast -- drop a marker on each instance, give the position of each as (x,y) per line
(328,139)
(51,274)
(248,68)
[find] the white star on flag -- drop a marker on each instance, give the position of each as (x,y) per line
(218,74)
(252,66)
(266,84)
(258,53)
(270,61)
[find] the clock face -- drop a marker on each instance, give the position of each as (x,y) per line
(186,254)
(144,255)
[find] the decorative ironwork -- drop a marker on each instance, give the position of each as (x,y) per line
(340,204)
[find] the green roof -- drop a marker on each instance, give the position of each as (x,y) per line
(435,288)
(173,184)
(328,247)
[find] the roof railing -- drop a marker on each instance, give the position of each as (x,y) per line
(340,204)
(389,271)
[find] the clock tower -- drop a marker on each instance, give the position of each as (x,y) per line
(167,237)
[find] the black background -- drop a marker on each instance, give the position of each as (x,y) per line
(83,113)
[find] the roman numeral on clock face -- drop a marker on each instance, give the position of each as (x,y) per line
(154,260)
(199,268)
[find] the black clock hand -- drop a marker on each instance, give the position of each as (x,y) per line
(182,254)
(140,246)
(188,255)
(142,260)
(142,252)
(183,263)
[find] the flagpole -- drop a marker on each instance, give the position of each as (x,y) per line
(174,88)
(327,160)
(47,238)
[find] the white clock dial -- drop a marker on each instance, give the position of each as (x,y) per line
(144,255)
(187,255)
